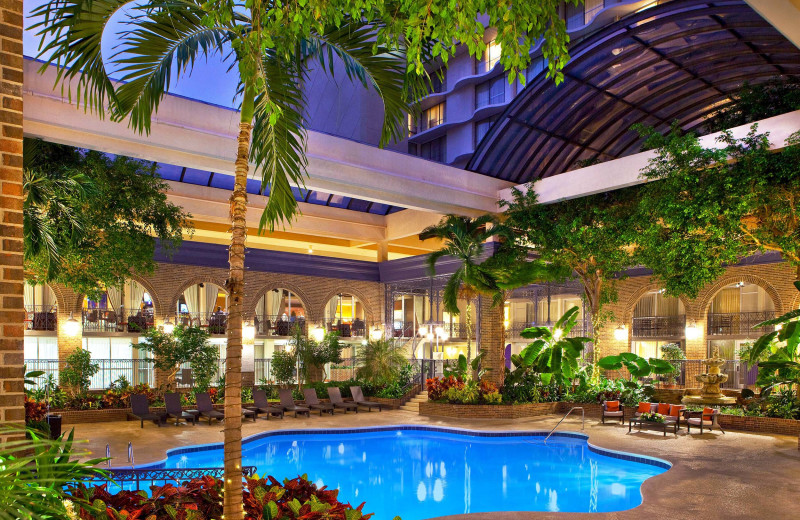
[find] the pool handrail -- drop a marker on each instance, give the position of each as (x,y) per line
(583,421)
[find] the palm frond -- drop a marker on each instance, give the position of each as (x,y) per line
(161,42)
(451,289)
(73,31)
(278,146)
(373,67)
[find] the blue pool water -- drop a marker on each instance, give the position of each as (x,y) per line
(422,473)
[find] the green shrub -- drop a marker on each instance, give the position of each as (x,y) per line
(284,368)
(77,374)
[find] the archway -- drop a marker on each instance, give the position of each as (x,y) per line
(204,304)
(278,311)
(346,314)
(41,307)
(732,313)
(127,308)
(657,320)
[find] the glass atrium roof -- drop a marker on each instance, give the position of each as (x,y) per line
(678,61)
(224,181)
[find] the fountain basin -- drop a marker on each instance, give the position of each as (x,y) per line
(715,400)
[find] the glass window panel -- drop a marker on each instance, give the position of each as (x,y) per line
(222,181)
(121,348)
(99,348)
(169,171)
(339,201)
(359,205)
(378,208)
(432,117)
(31,348)
(48,347)
(490,92)
(193,176)
(317,197)
(253,186)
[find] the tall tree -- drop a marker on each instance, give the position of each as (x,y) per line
(755,102)
(270,45)
(713,206)
(90,220)
(591,236)
(482,272)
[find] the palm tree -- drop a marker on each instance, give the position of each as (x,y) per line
(479,273)
(380,360)
(164,40)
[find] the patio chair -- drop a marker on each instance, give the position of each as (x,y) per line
(313,402)
(335,395)
(261,405)
(140,409)
(289,405)
(708,419)
(205,408)
(613,409)
(172,402)
(674,414)
(358,397)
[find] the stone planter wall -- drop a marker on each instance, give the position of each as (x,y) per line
(487,411)
(396,403)
(760,424)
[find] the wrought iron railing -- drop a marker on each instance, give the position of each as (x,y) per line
(101,320)
(659,326)
(41,317)
(356,328)
(135,371)
(263,370)
(214,322)
(274,325)
(142,478)
(140,321)
(738,323)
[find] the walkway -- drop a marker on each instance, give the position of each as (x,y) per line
(735,476)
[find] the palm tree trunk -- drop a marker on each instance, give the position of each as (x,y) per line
(469,329)
(232,506)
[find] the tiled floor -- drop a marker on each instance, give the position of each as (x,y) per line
(714,476)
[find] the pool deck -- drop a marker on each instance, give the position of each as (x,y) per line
(714,476)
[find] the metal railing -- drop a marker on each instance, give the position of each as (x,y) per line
(140,321)
(740,374)
(263,370)
(659,326)
(101,320)
(274,325)
(41,317)
(583,421)
(136,371)
(215,322)
(356,328)
(739,323)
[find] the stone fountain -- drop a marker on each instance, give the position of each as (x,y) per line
(711,394)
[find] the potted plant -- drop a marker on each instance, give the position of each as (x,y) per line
(673,353)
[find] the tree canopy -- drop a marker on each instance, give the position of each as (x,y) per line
(713,206)
(91,220)
(755,102)
(591,236)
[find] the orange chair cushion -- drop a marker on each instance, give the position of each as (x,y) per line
(675,410)
(612,406)
(708,414)
(643,408)
(663,408)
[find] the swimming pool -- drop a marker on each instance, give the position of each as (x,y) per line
(423,472)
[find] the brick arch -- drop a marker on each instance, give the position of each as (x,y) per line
(154,296)
(704,300)
(173,302)
(795,302)
(637,295)
(366,302)
(290,286)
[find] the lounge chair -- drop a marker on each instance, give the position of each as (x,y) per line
(205,408)
(313,402)
(613,409)
(289,405)
(335,395)
(172,402)
(261,405)
(358,398)
(707,419)
(140,409)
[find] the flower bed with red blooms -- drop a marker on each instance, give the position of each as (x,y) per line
(438,386)
(34,410)
(201,499)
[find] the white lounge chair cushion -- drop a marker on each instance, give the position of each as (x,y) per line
(613,414)
(696,421)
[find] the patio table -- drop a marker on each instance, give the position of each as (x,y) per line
(654,425)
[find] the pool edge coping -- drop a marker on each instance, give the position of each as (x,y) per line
(617,454)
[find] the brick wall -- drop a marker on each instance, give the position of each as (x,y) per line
(11,275)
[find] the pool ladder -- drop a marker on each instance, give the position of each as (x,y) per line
(130,455)
(583,421)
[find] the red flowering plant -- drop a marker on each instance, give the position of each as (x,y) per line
(34,410)
(438,386)
(201,499)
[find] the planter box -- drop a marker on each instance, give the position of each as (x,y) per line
(487,411)
(760,424)
(108,414)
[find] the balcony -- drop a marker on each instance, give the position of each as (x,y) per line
(214,322)
(356,328)
(739,323)
(41,317)
(659,327)
(107,320)
(281,326)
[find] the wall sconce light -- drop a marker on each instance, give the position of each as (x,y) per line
(248,333)
(318,333)
(423,331)
(376,334)
(72,327)
(692,331)
(621,333)
(168,327)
